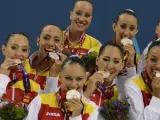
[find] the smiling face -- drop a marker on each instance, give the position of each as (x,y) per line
(110,60)
(153,61)
(17,47)
(81,16)
(50,39)
(126,26)
(73,76)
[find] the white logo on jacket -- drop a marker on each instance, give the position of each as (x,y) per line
(52,114)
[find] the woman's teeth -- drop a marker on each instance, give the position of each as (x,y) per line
(49,50)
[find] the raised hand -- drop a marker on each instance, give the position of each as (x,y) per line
(130,51)
(96,78)
(76,106)
(56,67)
(156,87)
(7,65)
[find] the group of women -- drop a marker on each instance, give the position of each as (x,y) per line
(41,82)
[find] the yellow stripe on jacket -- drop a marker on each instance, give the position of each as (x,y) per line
(50,110)
(145,90)
(141,84)
(40,78)
(17,92)
(89,43)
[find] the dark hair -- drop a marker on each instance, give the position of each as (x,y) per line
(114,45)
(128,12)
(155,43)
(156,36)
(73,60)
(90,1)
(12,35)
(158,22)
(49,25)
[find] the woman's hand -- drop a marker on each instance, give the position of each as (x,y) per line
(130,51)
(7,65)
(76,105)
(56,67)
(96,78)
(156,87)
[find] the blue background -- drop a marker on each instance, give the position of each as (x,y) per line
(29,16)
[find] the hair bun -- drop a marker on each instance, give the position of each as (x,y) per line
(130,10)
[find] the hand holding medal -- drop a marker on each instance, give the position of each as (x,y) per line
(102,87)
(74,103)
(104,73)
(26,81)
(125,41)
(157,74)
(58,60)
(156,84)
(97,79)
(71,94)
(9,65)
(130,51)
(54,56)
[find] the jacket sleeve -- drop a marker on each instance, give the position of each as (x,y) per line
(131,72)
(122,79)
(142,61)
(94,115)
(4,80)
(137,109)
